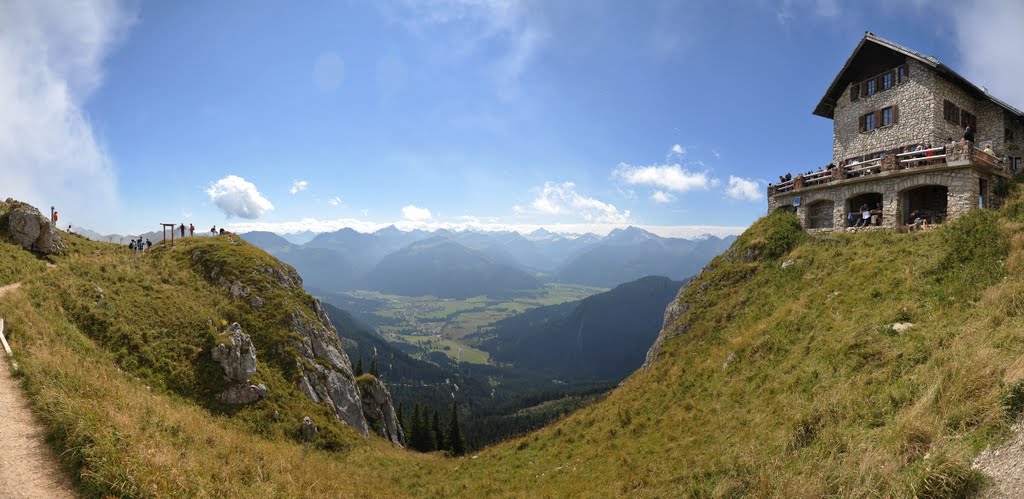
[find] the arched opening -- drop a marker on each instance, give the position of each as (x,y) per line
(872,201)
(928,202)
(819,214)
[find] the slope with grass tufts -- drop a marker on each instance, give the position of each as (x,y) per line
(768,380)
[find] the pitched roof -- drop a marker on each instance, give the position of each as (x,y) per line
(826,107)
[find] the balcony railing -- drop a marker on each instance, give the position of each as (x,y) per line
(901,161)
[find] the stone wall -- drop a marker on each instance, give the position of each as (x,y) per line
(916,106)
(961,182)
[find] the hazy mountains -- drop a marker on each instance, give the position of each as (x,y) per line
(602,337)
(451,264)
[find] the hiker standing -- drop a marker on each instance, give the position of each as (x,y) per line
(149,244)
(213,230)
(182,229)
(191,230)
(131,246)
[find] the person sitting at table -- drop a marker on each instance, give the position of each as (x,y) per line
(876,214)
(928,154)
(865,216)
(918,221)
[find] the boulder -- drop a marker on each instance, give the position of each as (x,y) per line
(238,359)
(26,226)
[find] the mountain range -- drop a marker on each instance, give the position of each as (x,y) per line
(427,262)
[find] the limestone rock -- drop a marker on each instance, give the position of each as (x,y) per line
(26,226)
(379,410)
(238,359)
(669,328)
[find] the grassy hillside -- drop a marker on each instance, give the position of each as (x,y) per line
(783,376)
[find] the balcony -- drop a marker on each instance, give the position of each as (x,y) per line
(962,153)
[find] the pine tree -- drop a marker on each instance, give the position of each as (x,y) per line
(415,429)
(429,441)
(455,442)
(359,365)
(435,428)
(373,367)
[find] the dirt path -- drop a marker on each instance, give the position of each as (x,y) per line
(1004,465)
(28,468)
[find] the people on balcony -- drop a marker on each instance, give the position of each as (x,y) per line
(988,150)
(969,133)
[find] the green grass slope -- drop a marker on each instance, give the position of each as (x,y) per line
(774,381)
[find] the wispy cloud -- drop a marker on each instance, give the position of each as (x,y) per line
(416,214)
(237,197)
(562,199)
(662,197)
(335,201)
(744,189)
(51,59)
(298,186)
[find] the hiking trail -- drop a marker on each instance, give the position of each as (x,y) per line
(28,467)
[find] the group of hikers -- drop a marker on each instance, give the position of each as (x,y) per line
(140,245)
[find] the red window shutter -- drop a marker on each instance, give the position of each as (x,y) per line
(862,120)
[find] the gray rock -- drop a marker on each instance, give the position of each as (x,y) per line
(378,408)
(26,226)
(243,394)
(669,328)
(237,359)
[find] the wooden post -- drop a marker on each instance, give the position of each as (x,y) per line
(171,226)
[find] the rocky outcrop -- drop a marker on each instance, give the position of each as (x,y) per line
(238,359)
(669,328)
(26,226)
(326,372)
(379,410)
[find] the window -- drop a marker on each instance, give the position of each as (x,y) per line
(869,122)
(1009,135)
(871,87)
(1015,165)
(951,113)
(887,116)
(968,118)
(901,74)
(887,81)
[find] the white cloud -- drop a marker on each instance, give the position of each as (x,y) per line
(298,186)
(328,71)
(335,201)
(989,39)
(672,177)
(51,59)
(662,197)
(416,214)
(744,189)
(563,199)
(677,151)
(237,197)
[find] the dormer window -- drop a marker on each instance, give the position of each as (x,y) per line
(871,87)
(887,81)
(901,74)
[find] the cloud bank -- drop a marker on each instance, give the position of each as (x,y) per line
(744,189)
(563,199)
(51,59)
(416,214)
(237,197)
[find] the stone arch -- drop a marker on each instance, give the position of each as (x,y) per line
(853,203)
(932,199)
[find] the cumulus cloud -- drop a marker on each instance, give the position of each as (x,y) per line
(237,197)
(744,189)
(992,56)
(416,214)
(335,201)
(51,59)
(677,151)
(563,199)
(298,186)
(672,177)
(662,197)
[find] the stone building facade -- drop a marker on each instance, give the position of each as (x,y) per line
(888,97)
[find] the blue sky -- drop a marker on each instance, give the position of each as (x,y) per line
(577,116)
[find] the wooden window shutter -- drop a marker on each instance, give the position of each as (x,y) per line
(864,88)
(879,83)
(878,118)
(892,77)
(854,92)
(895,114)
(862,121)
